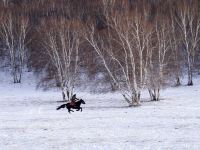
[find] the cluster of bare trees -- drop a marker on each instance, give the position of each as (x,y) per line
(142,47)
(14,36)
(141,44)
(62,42)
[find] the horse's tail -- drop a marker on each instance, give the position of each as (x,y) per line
(61,106)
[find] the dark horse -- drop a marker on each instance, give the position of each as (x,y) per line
(75,106)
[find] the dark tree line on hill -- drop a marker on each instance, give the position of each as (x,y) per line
(134,44)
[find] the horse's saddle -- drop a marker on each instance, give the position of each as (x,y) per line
(72,104)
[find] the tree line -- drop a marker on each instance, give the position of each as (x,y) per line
(134,44)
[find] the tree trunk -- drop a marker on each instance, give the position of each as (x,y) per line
(178,82)
(113,86)
(18,76)
(154,94)
(63,95)
(190,82)
(135,100)
(14,73)
(63,92)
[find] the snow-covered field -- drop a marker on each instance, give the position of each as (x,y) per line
(29,121)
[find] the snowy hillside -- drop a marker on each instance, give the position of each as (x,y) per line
(29,120)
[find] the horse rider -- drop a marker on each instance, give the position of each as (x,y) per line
(73,100)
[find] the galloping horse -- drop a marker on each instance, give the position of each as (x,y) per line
(75,106)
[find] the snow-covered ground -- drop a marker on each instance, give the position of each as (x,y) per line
(29,120)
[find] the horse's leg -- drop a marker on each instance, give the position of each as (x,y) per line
(77,108)
(72,110)
(81,108)
(69,109)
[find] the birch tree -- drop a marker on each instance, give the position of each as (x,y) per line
(160,57)
(175,42)
(62,43)
(188,20)
(14,31)
(126,47)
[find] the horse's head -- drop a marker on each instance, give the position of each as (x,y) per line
(82,101)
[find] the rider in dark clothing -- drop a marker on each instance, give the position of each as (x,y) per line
(73,100)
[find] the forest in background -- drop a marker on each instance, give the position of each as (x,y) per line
(132,44)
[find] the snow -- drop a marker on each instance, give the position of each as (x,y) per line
(29,120)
